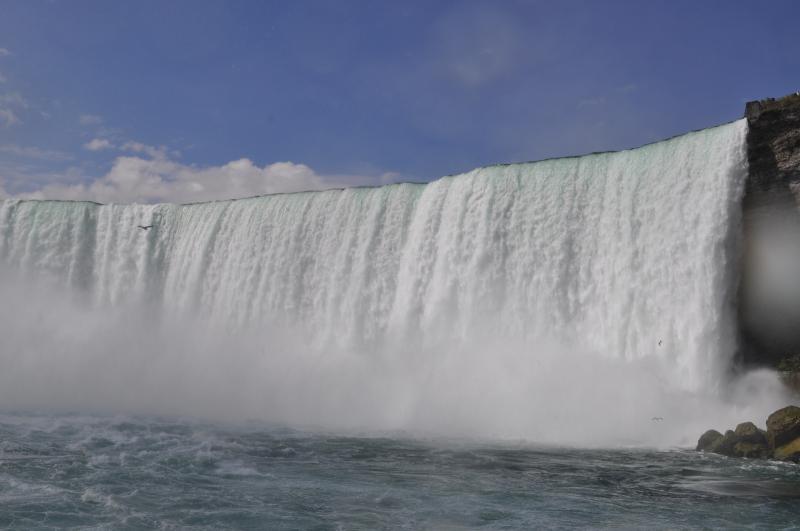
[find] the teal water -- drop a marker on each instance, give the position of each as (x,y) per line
(84,472)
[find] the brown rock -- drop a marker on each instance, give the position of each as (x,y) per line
(788,452)
(747,449)
(708,441)
(726,445)
(749,433)
(783,426)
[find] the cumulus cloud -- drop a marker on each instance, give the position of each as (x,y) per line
(98,144)
(136,179)
(4,52)
(138,147)
(149,174)
(90,119)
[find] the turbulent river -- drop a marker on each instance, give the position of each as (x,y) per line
(129,473)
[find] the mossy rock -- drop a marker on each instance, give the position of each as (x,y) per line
(752,450)
(788,452)
(749,433)
(783,426)
(708,441)
(726,445)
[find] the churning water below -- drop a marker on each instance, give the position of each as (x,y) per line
(132,472)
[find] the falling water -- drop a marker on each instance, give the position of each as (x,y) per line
(589,271)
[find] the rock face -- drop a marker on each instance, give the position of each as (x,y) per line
(750,441)
(708,441)
(726,445)
(781,440)
(769,308)
(748,432)
(773,142)
(788,452)
(783,426)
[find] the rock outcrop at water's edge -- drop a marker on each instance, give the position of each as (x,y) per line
(780,441)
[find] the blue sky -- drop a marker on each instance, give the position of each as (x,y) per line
(150,93)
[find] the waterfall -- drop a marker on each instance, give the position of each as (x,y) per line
(625,256)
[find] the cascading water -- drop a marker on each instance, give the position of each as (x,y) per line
(447,302)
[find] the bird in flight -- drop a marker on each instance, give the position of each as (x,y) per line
(657,419)
(659,341)
(145,227)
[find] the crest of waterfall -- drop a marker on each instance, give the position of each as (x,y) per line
(628,255)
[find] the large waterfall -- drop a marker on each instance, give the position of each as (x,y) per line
(509,283)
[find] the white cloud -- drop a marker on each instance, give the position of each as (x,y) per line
(149,174)
(4,52)
(8,118)
(136,179)
(3,78)
(138,147)
(98,144)
(31,152)
(90,119)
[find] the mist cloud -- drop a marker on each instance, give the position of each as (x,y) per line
(60,353)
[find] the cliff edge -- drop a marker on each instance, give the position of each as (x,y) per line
(773,142)
(769,293)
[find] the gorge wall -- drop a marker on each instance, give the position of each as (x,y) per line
(769,307)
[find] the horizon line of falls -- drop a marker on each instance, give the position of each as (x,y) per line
(505,301)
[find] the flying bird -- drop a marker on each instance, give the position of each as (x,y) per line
(145,227)
(659,342)
(657,419)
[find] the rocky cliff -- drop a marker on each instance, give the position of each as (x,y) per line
(769,308)
(773,143)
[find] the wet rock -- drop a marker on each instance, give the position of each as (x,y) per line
(708,441)
(788,452)
(749,433)
(726,445)
(781,440)
(751,450)
(783,426)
